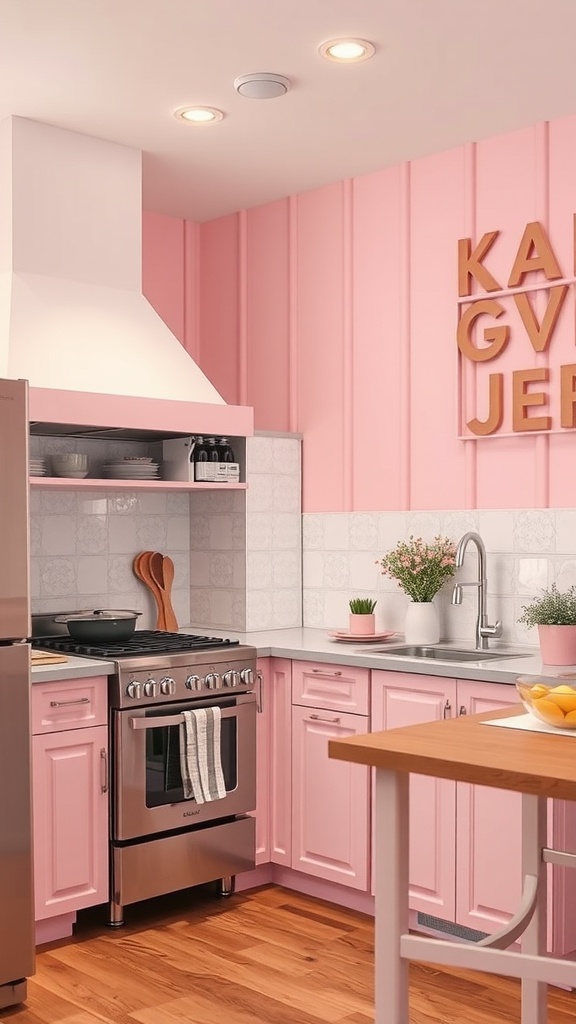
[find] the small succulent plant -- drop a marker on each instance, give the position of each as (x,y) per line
(362,605)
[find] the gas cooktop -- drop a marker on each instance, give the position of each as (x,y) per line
(142,642)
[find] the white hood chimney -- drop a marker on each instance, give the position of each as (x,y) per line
(72,313)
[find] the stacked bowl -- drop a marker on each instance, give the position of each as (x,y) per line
(70,465)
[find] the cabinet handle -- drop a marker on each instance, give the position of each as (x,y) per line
(462,710)
(103,770)
(322,672)
(320,718)
(447,710)
(65,703)
(260,699)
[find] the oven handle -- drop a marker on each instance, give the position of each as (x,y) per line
(260,703)
(162,721)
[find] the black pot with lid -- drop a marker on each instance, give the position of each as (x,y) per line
(100,625)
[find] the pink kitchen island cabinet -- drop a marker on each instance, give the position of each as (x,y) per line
(465,749)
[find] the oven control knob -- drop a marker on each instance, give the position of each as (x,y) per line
(247,676)
(150,688)
(193,683)
(167,685)
(134,691)
(212,681)
(231,678)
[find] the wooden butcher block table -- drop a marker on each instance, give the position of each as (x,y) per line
(538,765)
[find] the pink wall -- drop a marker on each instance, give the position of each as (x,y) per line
(334,313)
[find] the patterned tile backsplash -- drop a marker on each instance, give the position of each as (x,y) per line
(82,546)
(246,553)
(527,550)
(248,560)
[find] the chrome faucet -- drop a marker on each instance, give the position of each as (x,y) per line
(483,629)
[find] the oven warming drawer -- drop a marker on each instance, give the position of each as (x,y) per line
(144,870)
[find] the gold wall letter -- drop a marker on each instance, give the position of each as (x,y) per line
(495,409)
(568,395)
(497,336)
(540,334)
(534,253)
(470,266)
(522,399)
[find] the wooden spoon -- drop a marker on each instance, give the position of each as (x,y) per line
(145,566)
(168,577)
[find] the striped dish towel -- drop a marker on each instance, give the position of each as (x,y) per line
(200,756)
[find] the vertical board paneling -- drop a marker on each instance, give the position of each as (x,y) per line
(192,289)
(321,346)
(437,457)
(219,328)
(506,199)
(163,268)
(317,309)
(562,207)
(376,284)
(267,312)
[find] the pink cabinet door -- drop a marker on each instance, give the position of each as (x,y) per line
(489,836)
(330,819)
(262,811)
(280,765)
(70,783)
(400,698)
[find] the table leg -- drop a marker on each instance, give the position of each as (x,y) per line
(534,819)
(391,897)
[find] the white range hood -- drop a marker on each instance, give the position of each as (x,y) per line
(72,314)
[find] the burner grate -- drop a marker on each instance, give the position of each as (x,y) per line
(144,641)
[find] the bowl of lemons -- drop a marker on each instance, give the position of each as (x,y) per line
(552,702)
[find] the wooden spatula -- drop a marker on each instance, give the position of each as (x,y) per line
(168,577)
(142,569)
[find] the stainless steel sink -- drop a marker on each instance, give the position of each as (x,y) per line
(446,653)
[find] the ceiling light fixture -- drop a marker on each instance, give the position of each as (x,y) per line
(346,51)
(198,115)
(262,86)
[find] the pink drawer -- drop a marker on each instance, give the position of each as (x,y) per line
(69,704)
(334,687)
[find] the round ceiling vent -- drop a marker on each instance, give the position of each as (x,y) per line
(262,86)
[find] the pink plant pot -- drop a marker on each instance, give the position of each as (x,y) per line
(362,625)
(557,644)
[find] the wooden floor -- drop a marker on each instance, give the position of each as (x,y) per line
(265,957)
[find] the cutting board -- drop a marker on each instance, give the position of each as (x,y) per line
(47,658)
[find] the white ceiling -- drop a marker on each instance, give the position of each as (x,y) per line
(445,72)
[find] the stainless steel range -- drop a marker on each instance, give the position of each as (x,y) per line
(161,839)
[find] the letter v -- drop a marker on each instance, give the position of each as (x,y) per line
(540,334)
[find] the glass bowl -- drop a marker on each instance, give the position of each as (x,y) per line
(550,701)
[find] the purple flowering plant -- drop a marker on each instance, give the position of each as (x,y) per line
(421,569)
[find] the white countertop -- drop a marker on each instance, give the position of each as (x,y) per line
(316,645)
(74,668)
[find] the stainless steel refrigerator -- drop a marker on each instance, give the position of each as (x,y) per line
(16,888)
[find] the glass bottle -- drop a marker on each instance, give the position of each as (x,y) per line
(200,454)
(226,453)
(213,454)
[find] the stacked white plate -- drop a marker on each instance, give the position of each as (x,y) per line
(132,469)
(37,467)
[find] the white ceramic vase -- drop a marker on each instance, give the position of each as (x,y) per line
(421,625)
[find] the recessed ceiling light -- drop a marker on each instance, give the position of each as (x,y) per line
(198,115)
(346,51)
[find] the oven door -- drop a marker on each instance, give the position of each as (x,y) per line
(147,793)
